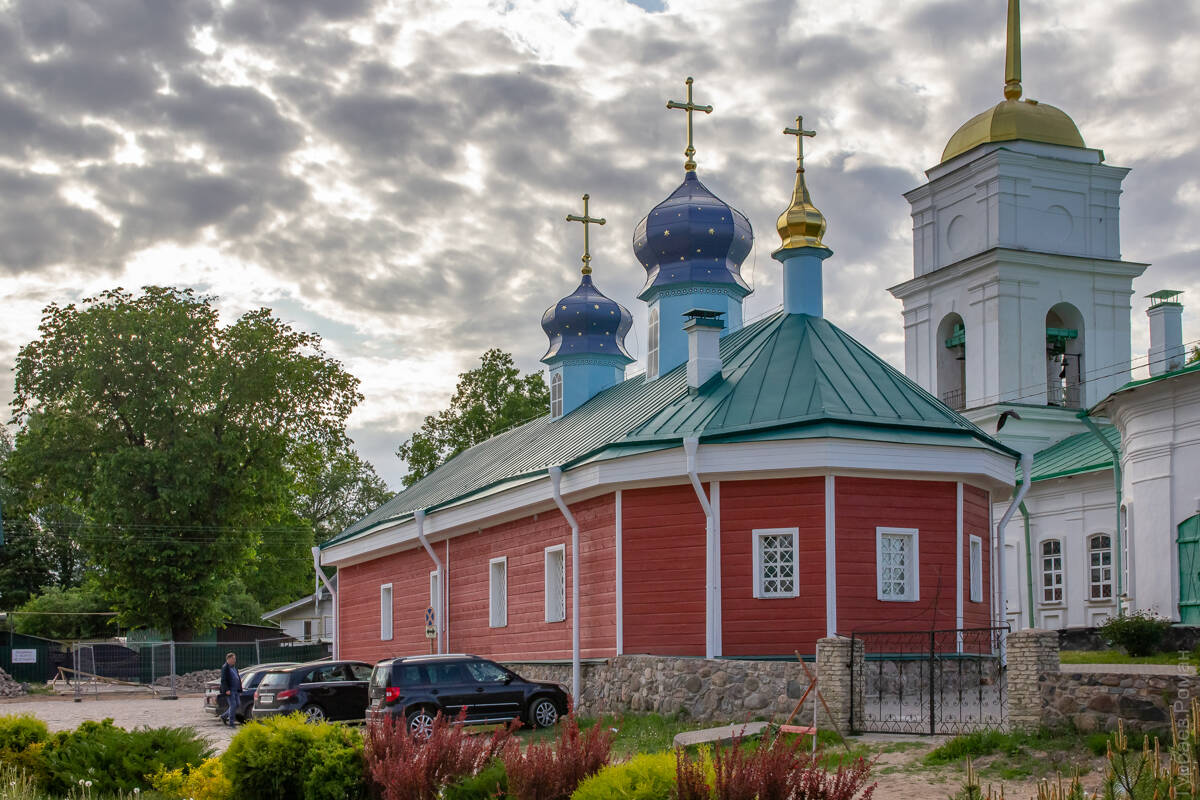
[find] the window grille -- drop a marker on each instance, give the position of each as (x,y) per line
(896,563)
(498,592)
(652,344)
(385,612)
(556,395)
(976,569)
(556,583)
(1052,571)
(1100,567)
(775,562)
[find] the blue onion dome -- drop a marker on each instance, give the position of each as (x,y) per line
(693,237)
(587,323)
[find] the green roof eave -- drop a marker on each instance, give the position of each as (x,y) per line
(1079,454)
(1184,370)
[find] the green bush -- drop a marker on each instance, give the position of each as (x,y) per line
(1140,633)
(115,759)
(19,731)
(285,758)
(490,784)
(645,777)
(205,782)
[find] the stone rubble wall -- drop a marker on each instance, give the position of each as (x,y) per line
(705,690)
(1094,701)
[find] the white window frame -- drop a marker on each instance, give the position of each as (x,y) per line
(1061,572)
(327,625)
(434,592)
(556,395)
(497,611)
(556,586)
(386,627)
(756,540)
(912,578)
(975,556)
(1092,584)
(653,343)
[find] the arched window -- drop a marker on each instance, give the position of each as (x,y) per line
(652,345)
(556,400)
(1064,356)
(1100,573)
(952,362)
(1052,571)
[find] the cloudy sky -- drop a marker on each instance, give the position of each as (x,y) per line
(394,175)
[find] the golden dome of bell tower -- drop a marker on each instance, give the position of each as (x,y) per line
(1013,118)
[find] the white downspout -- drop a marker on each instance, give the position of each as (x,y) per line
(438,615)
(712,578)
(337,628)
(1022,490)
(556,485)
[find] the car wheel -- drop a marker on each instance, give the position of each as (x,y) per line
(420,723)
(313,713)
(543,714)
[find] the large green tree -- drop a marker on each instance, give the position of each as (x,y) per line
(169,434)
(488,399)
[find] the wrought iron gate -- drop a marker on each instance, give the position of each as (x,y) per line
(948,681)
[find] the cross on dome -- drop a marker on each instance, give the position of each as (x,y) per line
(586,220)
(689,107)
(800,134)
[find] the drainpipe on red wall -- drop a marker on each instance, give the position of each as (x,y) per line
(337,627)
(556,486)
(1022,490)
(712,588)
(439,616)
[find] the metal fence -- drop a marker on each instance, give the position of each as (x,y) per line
(34,660)
(948,681)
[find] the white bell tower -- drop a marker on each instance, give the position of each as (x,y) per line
(1019,297)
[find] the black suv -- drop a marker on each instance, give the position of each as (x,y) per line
(420,687)
(320,690)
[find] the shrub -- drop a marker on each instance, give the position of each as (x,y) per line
(17,732)
(115,759)
(490,784)
(554,771)
(205,782)
(644,777)
(776,769)
(286,758)
(1140,633)
(402,767)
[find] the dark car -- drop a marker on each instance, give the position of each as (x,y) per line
(418,688)
(215,702)
(320,690)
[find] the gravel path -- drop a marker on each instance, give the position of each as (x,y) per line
(61,713)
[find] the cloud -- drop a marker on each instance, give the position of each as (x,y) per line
(395,173)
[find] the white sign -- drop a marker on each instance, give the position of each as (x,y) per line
(24,656)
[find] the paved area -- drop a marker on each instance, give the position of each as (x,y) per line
(131,711)
(1131,669)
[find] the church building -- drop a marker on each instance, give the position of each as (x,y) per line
(760,486)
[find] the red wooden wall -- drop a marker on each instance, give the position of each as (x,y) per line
(663,542)
(776,626)
(977,518)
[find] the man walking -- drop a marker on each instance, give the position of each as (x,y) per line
(231,687)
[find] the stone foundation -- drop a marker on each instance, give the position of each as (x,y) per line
(1094,701)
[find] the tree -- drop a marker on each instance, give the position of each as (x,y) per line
(66,614)
(488,399)
(1195,354)
(335,487)
(169,435)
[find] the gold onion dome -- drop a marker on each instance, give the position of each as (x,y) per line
(802,224)
(1013,118)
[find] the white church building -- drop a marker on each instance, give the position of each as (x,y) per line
(1018,315)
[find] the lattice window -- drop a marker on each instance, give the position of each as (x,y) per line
(1052,571)
(775,562)
(896,564)
(556,583)
(976,557)
(1100,573)
(652,345)
(556,395)
(385,612)
(498,592)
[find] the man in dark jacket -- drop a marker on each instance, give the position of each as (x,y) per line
(231,687)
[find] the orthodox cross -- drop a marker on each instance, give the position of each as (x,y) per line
(799,133)
(689,107)
(586,220)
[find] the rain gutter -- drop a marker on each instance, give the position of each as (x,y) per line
(556,486)
(1028,562)
(1022,490)
(1117,483)
(337,627)
(438,616)
(712,601)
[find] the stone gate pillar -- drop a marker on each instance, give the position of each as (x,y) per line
(1031,652)
(837,657)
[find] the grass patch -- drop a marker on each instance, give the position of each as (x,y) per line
(1121,657)
(1021,755)
(636,733)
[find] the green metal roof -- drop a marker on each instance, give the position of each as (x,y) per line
(1076,455)
(785,376)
